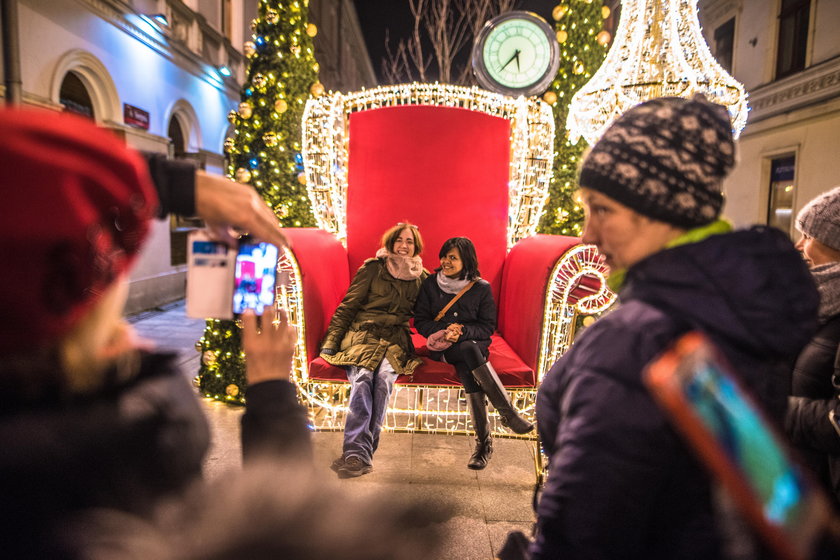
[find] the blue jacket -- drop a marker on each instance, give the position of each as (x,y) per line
(622,483)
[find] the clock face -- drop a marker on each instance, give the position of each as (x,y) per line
(516,53)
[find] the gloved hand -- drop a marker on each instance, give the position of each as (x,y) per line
(328,351)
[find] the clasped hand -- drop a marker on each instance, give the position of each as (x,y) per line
(454,332)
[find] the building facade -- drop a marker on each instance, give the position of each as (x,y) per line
(787,54)
(162,74)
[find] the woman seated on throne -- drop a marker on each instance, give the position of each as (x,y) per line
(456,312)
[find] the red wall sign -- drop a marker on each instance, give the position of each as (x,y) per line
(135,116)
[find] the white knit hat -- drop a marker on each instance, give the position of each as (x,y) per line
(820,219)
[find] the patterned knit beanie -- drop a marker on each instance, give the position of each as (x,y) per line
(820,219)
(665,159)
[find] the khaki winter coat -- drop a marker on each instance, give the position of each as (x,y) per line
(371,323)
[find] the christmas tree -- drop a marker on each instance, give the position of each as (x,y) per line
(265,152)
(583,46)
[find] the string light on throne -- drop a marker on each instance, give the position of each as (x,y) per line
(659,50)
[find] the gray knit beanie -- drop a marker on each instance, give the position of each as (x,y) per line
(820,219)
(666,159)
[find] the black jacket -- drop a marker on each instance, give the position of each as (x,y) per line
(808,422)
(622,483)
(475,310)
(124,448)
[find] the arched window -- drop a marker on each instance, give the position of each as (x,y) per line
(177,137)
(75,97)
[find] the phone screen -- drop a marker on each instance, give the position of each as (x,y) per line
(748,443)
(255,276)
(730,433)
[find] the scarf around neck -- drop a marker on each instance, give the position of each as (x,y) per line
(400,267)
(450,285)
(827,278)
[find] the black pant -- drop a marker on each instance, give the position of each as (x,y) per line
(466,356)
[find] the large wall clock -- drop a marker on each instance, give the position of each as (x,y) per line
(516,53)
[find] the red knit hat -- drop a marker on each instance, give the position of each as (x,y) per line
(74,210)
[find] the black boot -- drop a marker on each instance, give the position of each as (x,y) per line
(492,386)
(481,425)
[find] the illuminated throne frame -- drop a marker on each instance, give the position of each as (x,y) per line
(555,277)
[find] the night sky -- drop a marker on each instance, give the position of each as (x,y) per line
(376,16)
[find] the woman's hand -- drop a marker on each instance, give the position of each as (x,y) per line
(454,332)
(268,352)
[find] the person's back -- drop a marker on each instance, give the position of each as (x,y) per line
(90,421)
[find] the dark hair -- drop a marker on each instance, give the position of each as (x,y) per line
(466,249)
(390,237)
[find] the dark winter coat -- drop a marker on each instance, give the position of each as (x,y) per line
(622,483)
(124,448)
(371,322)
(815,387)
(475,310)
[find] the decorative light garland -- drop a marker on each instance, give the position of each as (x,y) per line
(325,152)
(658,51)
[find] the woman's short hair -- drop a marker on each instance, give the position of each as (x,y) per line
(390,237)
(468,257)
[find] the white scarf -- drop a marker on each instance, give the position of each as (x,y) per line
(827,277)
(401,267)
(450,285)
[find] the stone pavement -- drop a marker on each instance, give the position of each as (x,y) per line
(484,505)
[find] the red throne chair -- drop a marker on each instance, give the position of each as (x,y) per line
(456,162)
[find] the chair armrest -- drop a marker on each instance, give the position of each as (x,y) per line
(522,295)
(325,277)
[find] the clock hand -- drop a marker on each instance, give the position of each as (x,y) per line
(515,56)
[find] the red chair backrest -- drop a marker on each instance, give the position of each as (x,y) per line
(445,169)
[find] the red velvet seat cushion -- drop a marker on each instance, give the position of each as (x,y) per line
(511,369)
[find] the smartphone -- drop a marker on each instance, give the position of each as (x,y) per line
(255,276)
(732,436)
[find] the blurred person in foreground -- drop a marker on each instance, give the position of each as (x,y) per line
(101,435)
(622,483)
(813,417)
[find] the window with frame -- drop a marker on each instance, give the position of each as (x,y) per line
(724,44)
(793,37)
(782,189)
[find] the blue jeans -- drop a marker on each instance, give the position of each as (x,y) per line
(370,392)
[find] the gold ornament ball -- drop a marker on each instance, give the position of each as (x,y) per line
(271,16)
(281,106)
(249,48)
(605,12)
(301,178)
(245,110)
(208,358)
(253,25)
(232,116)
(588,320)
(270,139)
(281,212)
(259,80)
(317,89)
(232,390)
(316,67)
(603,37)
(562,36)
(242,175)
(559,11)
(197,346)
(578,67)
(550,97)
(311,30)
(229,144)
